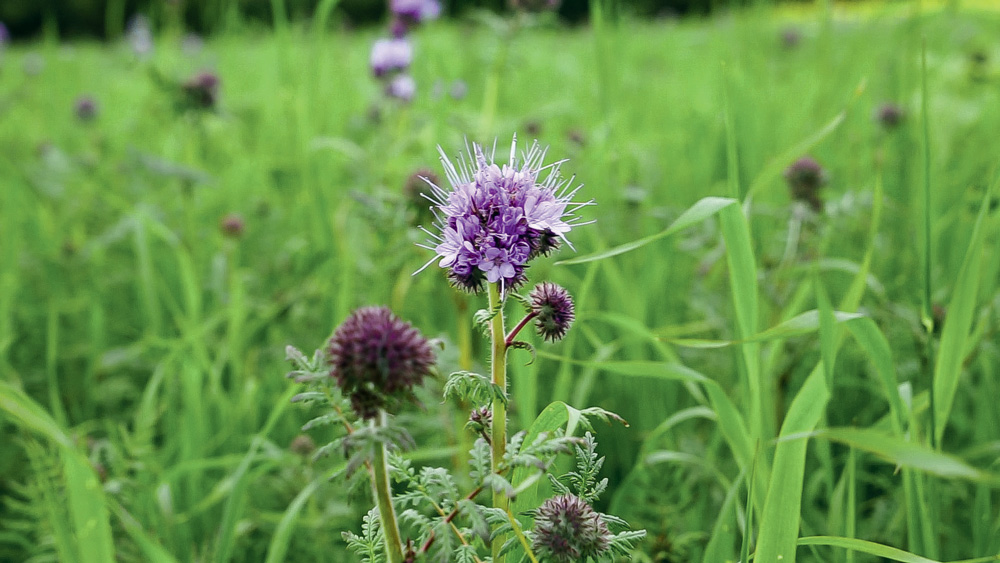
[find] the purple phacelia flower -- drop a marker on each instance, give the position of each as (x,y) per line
(458,89)
(85,108)
(202,90)
(4,35)
(791,37)
(553,309)
(402,87)
(567,530)
(415,11)
(377,359)
(805,177)
(139,36)
(495,219)
(889,115)
(391,55)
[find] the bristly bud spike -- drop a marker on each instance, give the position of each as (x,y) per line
(567,529)
(377,359)
(553,309)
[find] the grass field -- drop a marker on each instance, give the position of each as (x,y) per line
(830,376)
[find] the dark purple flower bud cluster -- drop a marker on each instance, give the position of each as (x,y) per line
(805,177)
(202,90)
(553,309)
(495,219)
(232,225)
(889,115)
(567,530)
(377,359)
(85,108)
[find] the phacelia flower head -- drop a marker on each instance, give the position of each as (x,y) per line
(377,359)
(553,310)
(415,11)
(202,90)
(85,108)
(567,530)
(4,36)
(391,55)
(805,177)
(791,37)
(889,115)
(402,87)
(139,36)
(494,219)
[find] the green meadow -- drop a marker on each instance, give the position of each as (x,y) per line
(799,384)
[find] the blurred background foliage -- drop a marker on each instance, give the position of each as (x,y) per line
(101,18)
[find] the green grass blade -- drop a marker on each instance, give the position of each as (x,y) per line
(879,550)
(697,213)
(907,454)
(958,323)
(779,525)
(277,548)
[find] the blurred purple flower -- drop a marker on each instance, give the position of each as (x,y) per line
(402,87)
(139,36)
(85,108)
(459,89)
(805,177)
(232,225)
(202,90)
(889,115)
(791,37)
(4,35)
(415,11)
(391,55)
(494,220)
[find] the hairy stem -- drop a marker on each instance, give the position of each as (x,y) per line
(498,348)
(513,332)
(383,497)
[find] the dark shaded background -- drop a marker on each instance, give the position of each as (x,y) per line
(104,18)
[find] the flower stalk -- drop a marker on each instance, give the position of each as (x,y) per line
(383,498)
(498,364)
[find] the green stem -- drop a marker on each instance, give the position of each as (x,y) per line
(499,432)
(383,497)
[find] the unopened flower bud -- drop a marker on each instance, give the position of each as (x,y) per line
(889,115)
(567,530)
(805,177)
(377,359)
(232,225)
(553,309)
